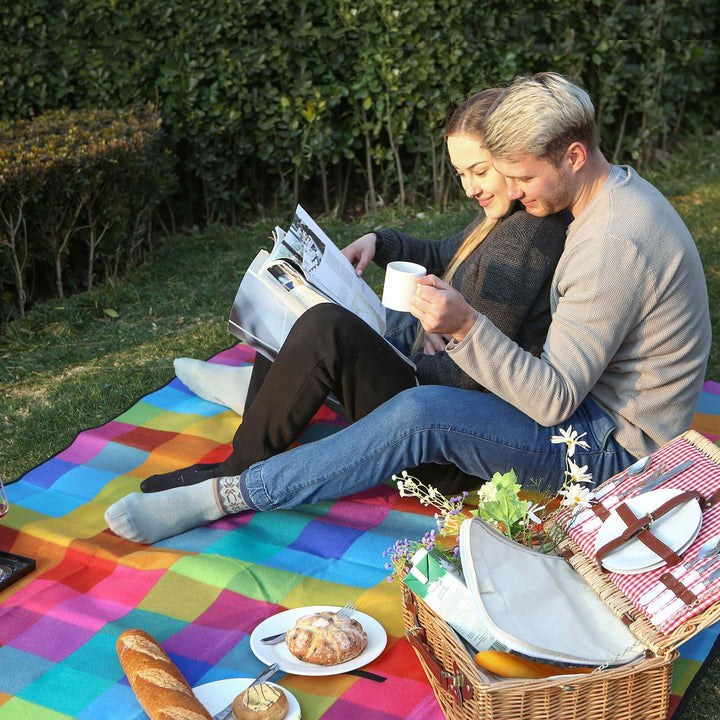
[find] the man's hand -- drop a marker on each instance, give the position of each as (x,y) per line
(433,343)
(361,251)
(442,309)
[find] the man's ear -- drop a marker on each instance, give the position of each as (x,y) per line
(576,155)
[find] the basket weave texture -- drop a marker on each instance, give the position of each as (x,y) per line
(636,691)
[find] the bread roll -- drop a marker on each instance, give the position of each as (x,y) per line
(261,702)
(158,685)
(326,639)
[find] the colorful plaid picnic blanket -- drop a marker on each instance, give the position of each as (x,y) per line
(202,593)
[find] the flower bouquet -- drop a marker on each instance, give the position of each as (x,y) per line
(525,516)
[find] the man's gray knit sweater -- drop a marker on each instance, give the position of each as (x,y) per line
(630,323)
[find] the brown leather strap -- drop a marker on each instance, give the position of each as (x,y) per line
(455,683)
(600,510)
(640,528)
(680,590)
(711,500)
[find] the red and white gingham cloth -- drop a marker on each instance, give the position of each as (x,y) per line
(704,477)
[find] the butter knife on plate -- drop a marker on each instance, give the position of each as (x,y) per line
(261,678)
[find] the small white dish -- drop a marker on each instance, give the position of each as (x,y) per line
(677,529)
(376,635)
(220,693)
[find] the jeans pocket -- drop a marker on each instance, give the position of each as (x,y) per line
(599,423)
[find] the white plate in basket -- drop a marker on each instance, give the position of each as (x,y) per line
(376,635)
(677,529)
(220,693)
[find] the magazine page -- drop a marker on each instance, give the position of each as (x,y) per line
(285,280)
(259,316)
(306,245)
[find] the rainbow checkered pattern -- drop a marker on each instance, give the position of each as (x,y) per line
(202,593)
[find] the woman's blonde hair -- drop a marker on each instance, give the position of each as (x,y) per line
(469,120)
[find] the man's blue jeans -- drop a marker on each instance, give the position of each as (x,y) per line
(478,432)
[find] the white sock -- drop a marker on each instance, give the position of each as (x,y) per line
(222,384)
(149,517)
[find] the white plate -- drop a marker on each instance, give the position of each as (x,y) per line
(376,635)
(677,529)
(219,694)
(655,565)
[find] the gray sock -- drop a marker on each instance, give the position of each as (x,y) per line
(147,518)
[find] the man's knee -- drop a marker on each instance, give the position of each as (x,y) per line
(419,405)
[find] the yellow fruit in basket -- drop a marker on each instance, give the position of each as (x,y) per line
(512,666)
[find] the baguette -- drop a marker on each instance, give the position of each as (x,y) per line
(157,683)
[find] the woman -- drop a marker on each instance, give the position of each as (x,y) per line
(501,265)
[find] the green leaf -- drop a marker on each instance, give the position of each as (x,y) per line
(111,313)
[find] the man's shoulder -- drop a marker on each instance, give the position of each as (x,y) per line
(630,207)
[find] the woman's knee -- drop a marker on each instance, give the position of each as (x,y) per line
(321,319)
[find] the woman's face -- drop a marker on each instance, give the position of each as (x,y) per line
(479,178)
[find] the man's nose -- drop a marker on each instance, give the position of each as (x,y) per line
(513,192)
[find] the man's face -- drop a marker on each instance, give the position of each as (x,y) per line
(541,186)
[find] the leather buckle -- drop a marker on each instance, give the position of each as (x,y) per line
(650,520)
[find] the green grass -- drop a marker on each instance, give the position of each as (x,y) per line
(70,365)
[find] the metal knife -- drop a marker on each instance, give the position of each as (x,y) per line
(678,605)
(669,475)
(686,572)
(261,678)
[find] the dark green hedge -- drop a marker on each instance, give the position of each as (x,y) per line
(266,101)
(77,193)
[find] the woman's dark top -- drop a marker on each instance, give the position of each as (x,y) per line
(507,279)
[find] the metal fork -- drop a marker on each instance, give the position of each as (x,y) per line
(654,475)
(344,612)
(708,552)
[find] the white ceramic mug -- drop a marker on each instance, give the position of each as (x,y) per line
(400,284)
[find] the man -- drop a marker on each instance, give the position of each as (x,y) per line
(624,359)
(631,327)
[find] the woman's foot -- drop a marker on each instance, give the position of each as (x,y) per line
(179,478)
(222,384)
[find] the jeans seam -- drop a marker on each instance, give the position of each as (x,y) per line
(381,450)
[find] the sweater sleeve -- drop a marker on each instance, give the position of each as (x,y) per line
(433,255)
(507,280)
(595,309)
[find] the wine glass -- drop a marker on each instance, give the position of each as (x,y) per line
(5,571)
(4,506)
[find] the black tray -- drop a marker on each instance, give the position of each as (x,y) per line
(13,567)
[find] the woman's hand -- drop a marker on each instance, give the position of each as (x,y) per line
(442,309)
(433,343)
(361,251)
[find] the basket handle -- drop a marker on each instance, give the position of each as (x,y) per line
(454,683)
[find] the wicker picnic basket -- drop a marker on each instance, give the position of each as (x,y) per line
(636,691)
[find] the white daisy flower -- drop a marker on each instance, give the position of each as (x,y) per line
(577,474)
(571,438)
(576,496)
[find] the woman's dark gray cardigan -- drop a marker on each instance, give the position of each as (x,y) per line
(507,279)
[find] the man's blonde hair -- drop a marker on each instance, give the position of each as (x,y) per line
(540,115)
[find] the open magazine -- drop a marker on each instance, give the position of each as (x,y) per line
(303,268)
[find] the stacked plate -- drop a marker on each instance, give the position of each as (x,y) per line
(269,654)
(677,529)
